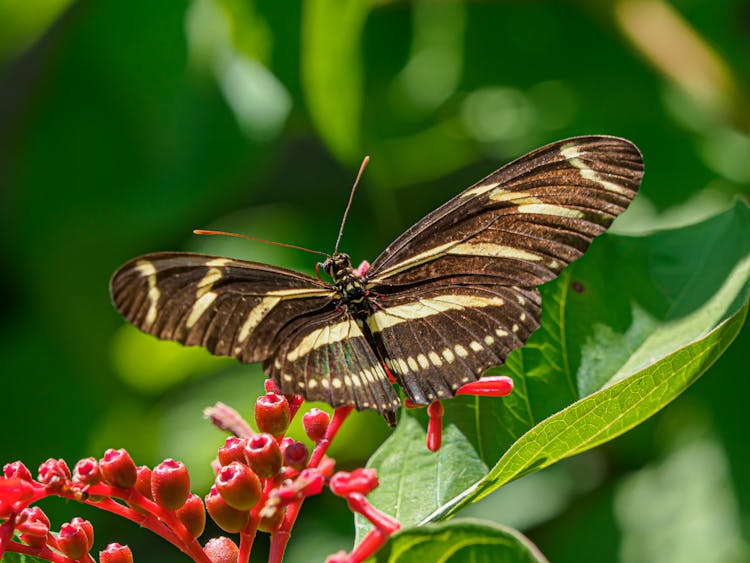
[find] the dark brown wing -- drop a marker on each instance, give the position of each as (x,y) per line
(230,307)
(255,312)
(339,365)
(512,231)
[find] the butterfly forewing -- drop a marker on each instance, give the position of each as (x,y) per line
(230,307)
(510,232)
(523,223)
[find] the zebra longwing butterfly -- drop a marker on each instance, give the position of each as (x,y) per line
(449,298)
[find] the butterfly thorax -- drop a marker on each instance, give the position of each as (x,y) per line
(350,286)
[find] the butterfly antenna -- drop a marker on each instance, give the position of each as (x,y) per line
(348,205)
(205,232)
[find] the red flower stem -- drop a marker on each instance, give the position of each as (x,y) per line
(358,503)
(161,520)
(280,538)
(41,553)
(367,547)
(247,537)
(6,533)
(339,416)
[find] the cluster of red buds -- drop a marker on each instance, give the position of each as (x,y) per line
(261,481)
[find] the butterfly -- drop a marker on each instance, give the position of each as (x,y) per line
(449,298)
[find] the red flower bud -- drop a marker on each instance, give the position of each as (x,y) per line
(32,514)
(227,518)
(338,557)
(493,386)
(270,386)
(295,455)
(87,471)
(232,450)
(193,515)
(358,481)
(73,541)
(143,481)
(17,470)
(311,482)
(272,414)
(271,518)
(239,486)
(170,484)
(116,553)
(54,472)
(435,427)
(118,468)
(12,491)
(315,422)
(264,455)
(86,526)
(326,466)
(33,526)
(221,550)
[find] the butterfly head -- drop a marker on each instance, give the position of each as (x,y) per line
(338,266)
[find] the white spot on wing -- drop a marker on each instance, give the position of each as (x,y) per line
(476,346)
(461,352)
(435,359)
(494,250)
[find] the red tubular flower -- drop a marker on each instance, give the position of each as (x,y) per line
(270,386)
(315,422)
(33,526)
(435,426)
(493,386)
(272,414)
(73,541)
(239,486)
(12,491)
(143,481)
(170,484)
(118,468)
(17,470)
(221,550)
(54,473)
(227,518)
(116,553)
(232,450)
(310,482)
(295,455)
(86,526)
(326,466)
(264,455)
(192,514)
(358,481)
(87,471)
(358,503)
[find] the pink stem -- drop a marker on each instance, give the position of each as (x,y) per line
(368,546)
(247,537)
(280,538)
(40,552)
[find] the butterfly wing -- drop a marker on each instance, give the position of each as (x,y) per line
(457,291)
(255,312)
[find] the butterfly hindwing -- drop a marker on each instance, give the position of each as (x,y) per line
(327,358)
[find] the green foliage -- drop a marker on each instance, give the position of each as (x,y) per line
(126,125)
(461,540)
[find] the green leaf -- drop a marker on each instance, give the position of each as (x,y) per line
(624,331)
(460,540)
(332,76)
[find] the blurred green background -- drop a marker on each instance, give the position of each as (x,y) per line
(124,125)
